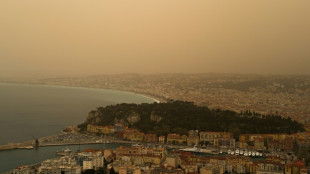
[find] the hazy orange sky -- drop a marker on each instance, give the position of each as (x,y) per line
(81,37)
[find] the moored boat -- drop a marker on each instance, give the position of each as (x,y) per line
(192,149)
(136,145)
(237,152)
(64,152)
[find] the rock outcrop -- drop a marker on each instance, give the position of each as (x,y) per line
(156,118)
(133,118)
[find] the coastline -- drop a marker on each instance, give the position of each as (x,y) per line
(27,143)
(152,97)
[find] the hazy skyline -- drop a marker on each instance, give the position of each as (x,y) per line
(75,37)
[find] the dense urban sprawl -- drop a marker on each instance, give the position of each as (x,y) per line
(196,152)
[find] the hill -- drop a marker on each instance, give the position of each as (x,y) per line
(180,117)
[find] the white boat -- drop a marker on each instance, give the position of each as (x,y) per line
(229,152)
(250,153)
(136,145)
(257,154)
(237,152)
(202,150)
(246,153)
(64,152)
(192,149)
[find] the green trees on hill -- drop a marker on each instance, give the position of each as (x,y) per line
(180,117)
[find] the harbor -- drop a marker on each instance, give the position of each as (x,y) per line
(67,143)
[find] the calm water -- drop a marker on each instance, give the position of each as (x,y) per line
(34,110)
(28,111)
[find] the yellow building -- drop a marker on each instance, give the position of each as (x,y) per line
(192,141)
(92,128)
(212,169)
(136,136)
(104,129)
(133,135)
(208,137)
(173,161)
(259,144)
(243,144)
(162,139)
(253,167)
(295,168)
(100,129)
(264,141)
(176,139)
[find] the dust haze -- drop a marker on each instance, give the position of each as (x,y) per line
(75,37)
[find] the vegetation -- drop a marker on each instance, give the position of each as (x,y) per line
(180,117)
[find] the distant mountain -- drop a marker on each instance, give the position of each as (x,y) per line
(180,117)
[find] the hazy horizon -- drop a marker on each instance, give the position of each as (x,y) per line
(74,37)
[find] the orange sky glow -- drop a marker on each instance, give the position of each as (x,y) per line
(78,37)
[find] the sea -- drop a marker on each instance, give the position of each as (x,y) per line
(33,111)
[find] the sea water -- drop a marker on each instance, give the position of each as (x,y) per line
(34,111)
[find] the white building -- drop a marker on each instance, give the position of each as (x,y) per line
(93,161)
(61,165)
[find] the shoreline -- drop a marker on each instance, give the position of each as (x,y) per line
(154,98)
(24,144)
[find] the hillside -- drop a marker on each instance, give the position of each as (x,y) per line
(179,117)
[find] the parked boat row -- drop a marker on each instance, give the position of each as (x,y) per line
(245,152)
(241,152)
